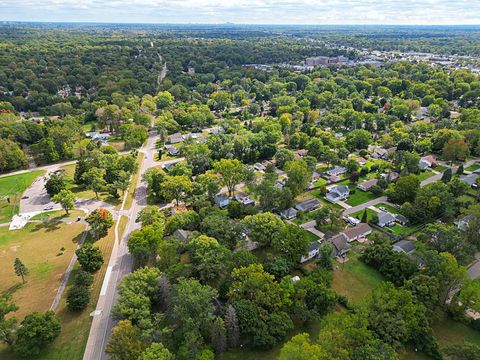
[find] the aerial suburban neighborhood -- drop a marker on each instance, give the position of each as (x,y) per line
(234,192)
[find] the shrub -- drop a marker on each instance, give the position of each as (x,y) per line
(83,278)
(78,297)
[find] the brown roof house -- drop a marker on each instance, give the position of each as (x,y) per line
(357,232)
(367,184)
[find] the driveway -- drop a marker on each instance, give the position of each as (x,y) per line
(367,204)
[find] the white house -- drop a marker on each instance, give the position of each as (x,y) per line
(337,193)
(313,250)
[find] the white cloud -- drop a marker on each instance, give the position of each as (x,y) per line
(426,12)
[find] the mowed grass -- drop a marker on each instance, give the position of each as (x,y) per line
(12,187)
(38,246)
(472,167)
(71,342)
(80,192)
(59,215)
(425,175)
(360,197)
(354,279)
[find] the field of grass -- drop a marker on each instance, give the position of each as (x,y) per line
(11,190)
(405,230)
(425,175)
(472,167)
(71,342)
(38,246)
(320,182)
(359,214)
(440,168)
(354,279)
(133,182)
(59,215)
(80,192)
(360,197)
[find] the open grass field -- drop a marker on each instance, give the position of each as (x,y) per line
(59,215)
(405,230)
(71,342)
(38,246)
(11,189)
(360,197)
(354,279)
(80,192)
(424,175)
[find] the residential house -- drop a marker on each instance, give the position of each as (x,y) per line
(462,223)
(175,138)
(427,162)
(289,214)
(308,205)
(214,130)
(222,200)
(172,150)
(402,220)
(244,199)
(360,231)
(404,246)
(367,184)
(336,171)
(96,136)
(182,235)
(392,176)
(280,184)
(333,179)
(259,167)
(313,250)
(192,136)
(340,245)
(385,219)
(337,193)
(380,154)
(361,161)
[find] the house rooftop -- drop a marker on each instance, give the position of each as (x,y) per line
(404,245)
(359,230)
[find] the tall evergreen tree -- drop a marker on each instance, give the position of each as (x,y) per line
(20,269)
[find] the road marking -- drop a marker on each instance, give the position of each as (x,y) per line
(103,291)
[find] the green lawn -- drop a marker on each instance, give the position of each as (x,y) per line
(360,197)
(354,279)
(11,190)
(440,168)
(425,175)
(390,208)
(359,214)
(472,167)
(405,230)
(320,182)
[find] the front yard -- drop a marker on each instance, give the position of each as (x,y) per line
(360,197)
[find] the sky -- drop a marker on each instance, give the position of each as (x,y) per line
(315,12)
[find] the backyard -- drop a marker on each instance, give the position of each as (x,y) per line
(359,197)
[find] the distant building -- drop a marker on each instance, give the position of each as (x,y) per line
(289,214)
(244,199)
(336,171)
(340,245)
(308,205)
(172,150)
(222,200)
(367,184)
(357,232)
(404,246)
(175,138)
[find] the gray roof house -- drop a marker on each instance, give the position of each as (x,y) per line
(367,184)
(244,199)
(172,150)
(337,193)
(313,250)
(385,219)
(336,170)
(181,234)
(340,245)
(462,223)
(289,213)
(175,138)
(404,246)
(222,200)
(308,205)
(402,220)
(259,167)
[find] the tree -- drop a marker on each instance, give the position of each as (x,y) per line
(364,216)
(210,259)
(36,331)
(298,176)
(125,343)
(219,336)
(164,100)
(55,183)
(325,259)
(100,220)
(455,149)
(301,348)
(199,157)
(231,172)
(7,326)
(176,187)
(359,139)
(142,244)
(90,258)
(291,243)
(20,269)
(150,215)
(78,297)
(94,180)
(156,351)
(394,316)
(405,189)
(231,324)
(11,155)
(263,227)
(465,351)
(66,199)
(447,175)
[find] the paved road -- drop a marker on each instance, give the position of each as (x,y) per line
(367,204)
(120,264)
